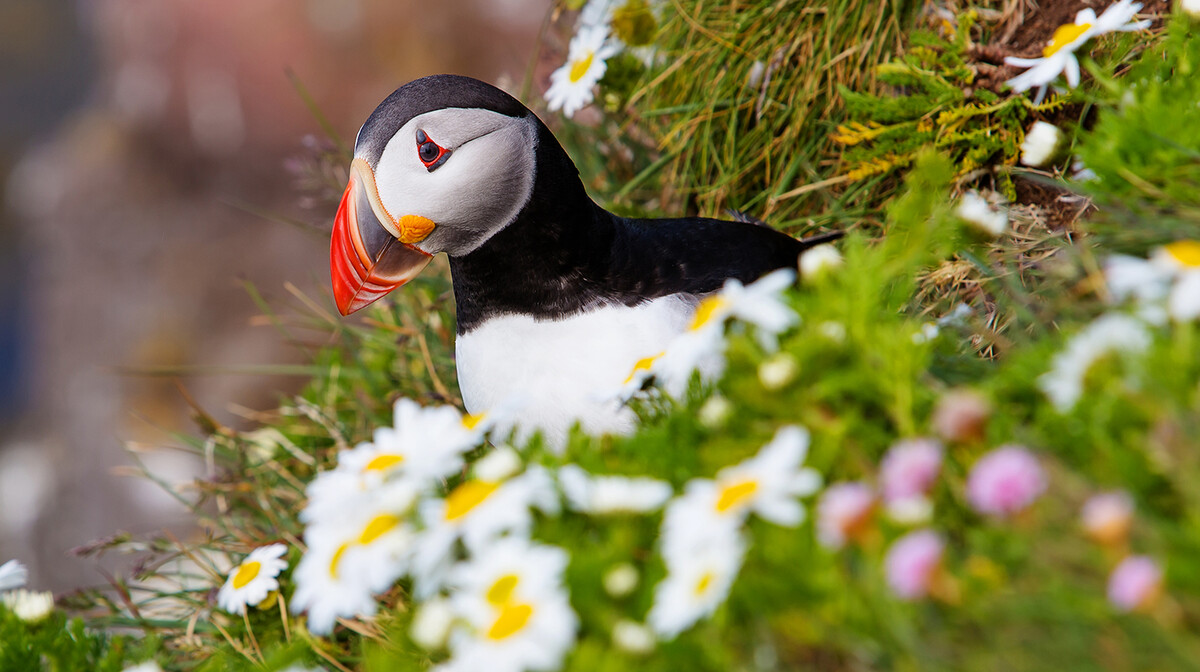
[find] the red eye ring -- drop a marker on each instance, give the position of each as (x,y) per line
(429,152)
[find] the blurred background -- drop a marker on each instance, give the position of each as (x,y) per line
(141,143)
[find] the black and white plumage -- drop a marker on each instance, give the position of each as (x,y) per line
(556,297)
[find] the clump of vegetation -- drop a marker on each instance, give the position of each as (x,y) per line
(878,495)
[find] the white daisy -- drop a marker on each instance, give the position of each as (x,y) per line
(1058,56)
(425,445)
(349,560)
(30,606)
(13,575)
(514,612)
(632,637)
(767,484)
(696,584)
(701,346)
(253,580)
(611,494)
(432,622)
(1063,384)
(571,85)
(477,512)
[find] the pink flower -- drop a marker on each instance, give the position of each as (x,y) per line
(843,513)
(909,469)
(961,415)
(1005,481)
(912,563)
(1135,584)
(1107,517)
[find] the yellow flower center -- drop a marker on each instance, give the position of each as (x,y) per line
(579,68)
(642,364)
(1185,252)
(704,583)
(246,573)
(706,310)
(467,496)
(1063,36)
(735,494)
(472,420)
(502,590)
(379,526)
(383,462)
(512,618)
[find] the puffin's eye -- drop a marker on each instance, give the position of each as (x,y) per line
(430,153)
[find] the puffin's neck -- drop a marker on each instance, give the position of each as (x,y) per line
(545,262)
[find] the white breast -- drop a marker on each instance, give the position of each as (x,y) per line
(560,370)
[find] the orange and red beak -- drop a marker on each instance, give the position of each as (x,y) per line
(366,256)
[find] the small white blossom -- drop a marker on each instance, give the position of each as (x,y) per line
(1041,144)
(431,624)
(696,584)
(621,580)
(30,606)
(632,637)
(981,215)
(819,261)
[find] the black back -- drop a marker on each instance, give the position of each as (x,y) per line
(564,254)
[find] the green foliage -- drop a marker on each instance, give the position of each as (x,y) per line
(1145,151)
(61,644)
(933,103)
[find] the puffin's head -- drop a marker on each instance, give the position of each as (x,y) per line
(441,165)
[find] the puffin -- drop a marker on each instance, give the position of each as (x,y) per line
(556,298)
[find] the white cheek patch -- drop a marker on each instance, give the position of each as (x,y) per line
(478,190)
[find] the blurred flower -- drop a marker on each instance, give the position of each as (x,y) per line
(1041,144)
(912,563)
(715,412)
(1182,259)
(906,475)
(701,346)
(571,85)
(767,484)
(1059,54)
(514,611)
(834,331)
(148,666)
(1005,481)
(1081,173)
(777,371)
(632,637)
(251,581)
(349,559)
(30,606)
(819,262)
(431,623)
(1063,384)
(621,580)
(501,463)
(696,584)
(477,512)
(1135,584)
(425,445)
(611,494)
(843,513)
(981,215)
(961,415)
(13,575)
(1107,517)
